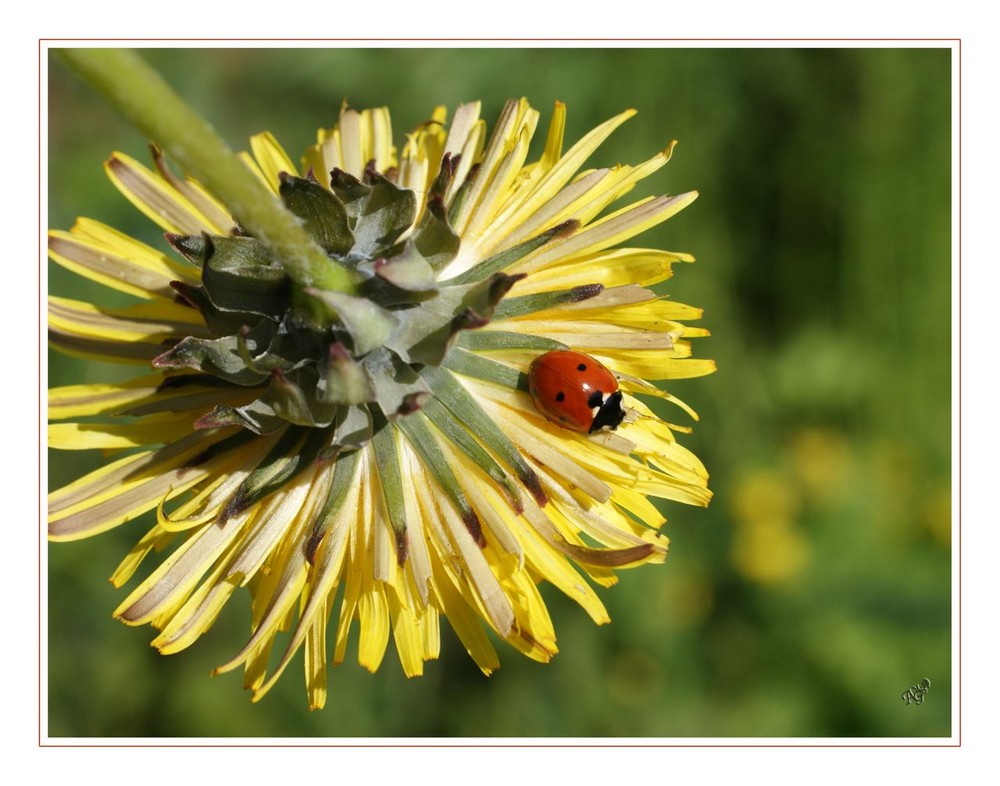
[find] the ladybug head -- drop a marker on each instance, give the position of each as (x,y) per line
(610,415)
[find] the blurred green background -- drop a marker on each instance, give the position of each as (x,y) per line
(816,587)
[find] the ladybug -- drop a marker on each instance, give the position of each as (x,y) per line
(575,391)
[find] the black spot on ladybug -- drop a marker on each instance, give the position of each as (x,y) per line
(560,396)
(582,367)
(563,419)
(595,399)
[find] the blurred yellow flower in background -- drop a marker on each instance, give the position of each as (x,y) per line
(767,545)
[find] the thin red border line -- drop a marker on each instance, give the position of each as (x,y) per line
(960,392)
(520,746)
(38,338)
(654,745)
(41,744)
(504,39)
(959,744)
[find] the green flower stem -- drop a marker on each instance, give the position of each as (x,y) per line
(133,87)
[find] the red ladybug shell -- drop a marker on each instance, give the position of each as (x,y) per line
(575,391)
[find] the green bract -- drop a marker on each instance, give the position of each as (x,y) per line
(327,359)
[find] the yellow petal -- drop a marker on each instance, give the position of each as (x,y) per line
(614,268)
(104,255)
(464,620)
(315,664)
(554,179)
(109,436)
(271,157)
(406,631)
(156,539)
(155,197)
(76,401)
(171,583)
(610,231)
(118,492)
(156,323)
(197,614)
(515,119)
(322,586)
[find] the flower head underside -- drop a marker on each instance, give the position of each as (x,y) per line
(374,455)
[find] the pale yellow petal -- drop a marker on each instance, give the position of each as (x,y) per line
(196,615)
(323,584)
(121,490)
(155,197)
(101,254)
(172,582)
(156,323)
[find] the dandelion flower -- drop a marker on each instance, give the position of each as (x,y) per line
(374,457)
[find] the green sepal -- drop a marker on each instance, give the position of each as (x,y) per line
(426,333)
(238,273)
(455,431)
(408,270)
(265,362)
(434,238)
(344,470)
(419,434)
(292,346)
(466,410)
(508,257)
(293,452)
(386,214)
(387,462)
(295,398)
(542,301)
(350,192)
(219,357)
(222,416)
(444,177)
(495,340)
(484,296)
(463,191)
(342,380)
(463,362)
(324,216)
(192,247)
(369,325)
(292,397)
(257,417)
(354,428)
(220,322)
(416,282)
(397,386)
